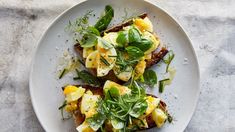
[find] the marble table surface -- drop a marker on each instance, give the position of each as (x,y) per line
(209,23)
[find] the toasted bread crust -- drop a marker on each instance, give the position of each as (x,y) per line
(119,27)
(156,56)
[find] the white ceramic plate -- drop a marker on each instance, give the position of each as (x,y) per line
(45,89)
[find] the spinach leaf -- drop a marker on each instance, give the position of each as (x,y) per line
(88,40)
(134,52)
(93,30)
(139,108)
(134,35)
(104,20)
(150,77)
(144,44)
(96,121)
(86,77)
(122,38)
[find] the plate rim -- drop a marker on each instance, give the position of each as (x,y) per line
(195,103)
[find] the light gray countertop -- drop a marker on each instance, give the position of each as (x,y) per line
(209,23)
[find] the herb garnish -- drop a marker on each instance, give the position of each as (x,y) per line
(162,85)
(122,38)
(86,35)
(63,105)
(104,60)
(168,58)
(63,73)
(104,20)
(120,108)
(169,118)
(134,35)
(88,40)
(134,52)
(123,63)
(150,77)
(80,25)
(61,108)
(86,77)
(144,44)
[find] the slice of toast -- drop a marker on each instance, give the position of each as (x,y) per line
(79,118)
(156,55)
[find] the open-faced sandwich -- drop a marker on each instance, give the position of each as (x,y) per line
(113,96)
(122,49)
(114,107)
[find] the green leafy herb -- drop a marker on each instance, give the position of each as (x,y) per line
(134,52)
(93,30)
(122,38)
(114,92)
(144,44)
(86,77)
(134,35)
(124,63)
(104,61)
(139,108)
(104,20)
(136,90)
(150,77)
(96,121)
(120,109)
(162,85)
(168,59)
(63,73)
(88,40)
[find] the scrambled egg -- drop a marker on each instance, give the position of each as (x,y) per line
(140,68)
(152,104)
(122,89)
(159,117)
(84,127)
(144,24)
(125,75)
(73,93)
(88,104)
